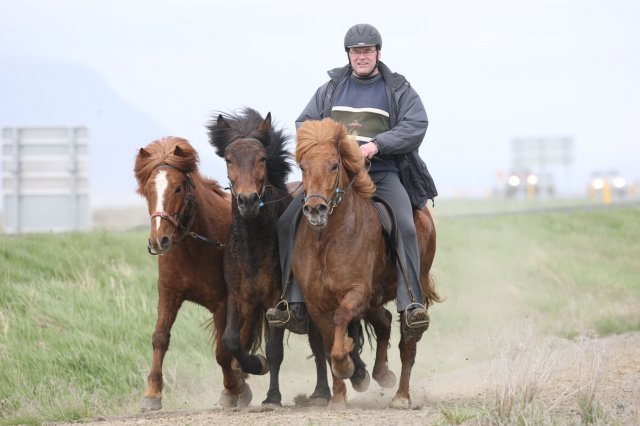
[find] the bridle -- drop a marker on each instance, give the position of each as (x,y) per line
(235,195)
(338,194)
(183,220)
(263,203)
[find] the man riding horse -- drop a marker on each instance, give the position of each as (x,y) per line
(386,114)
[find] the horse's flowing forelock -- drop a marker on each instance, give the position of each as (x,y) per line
(328,131)
(162,151)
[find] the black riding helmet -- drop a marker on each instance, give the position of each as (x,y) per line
(363,35)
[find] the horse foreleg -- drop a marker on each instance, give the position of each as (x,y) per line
(275,355)
(321,393)
(237,339)
(341,364)
(233,381)
(381,320)
(168,306)
(402,399)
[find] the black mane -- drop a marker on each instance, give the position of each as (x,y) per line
(244,124)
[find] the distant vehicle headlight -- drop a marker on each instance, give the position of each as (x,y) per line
(597,183)
(619,182)
(532,180)
(513,180)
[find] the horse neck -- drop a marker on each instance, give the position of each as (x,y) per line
(207,211)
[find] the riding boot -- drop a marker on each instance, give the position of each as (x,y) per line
(415,321)
(293,317)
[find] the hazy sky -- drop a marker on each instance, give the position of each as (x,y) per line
(487,71)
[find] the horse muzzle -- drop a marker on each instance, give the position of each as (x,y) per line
(317,215)
(159,246)
(249,205)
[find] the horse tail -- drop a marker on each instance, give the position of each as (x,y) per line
(356,332)
(259,334)
(210,324)
(430,293)
(370,334)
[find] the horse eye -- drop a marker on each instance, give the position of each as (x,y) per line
(178,189)
(226,160)
(263,160)
(334,168)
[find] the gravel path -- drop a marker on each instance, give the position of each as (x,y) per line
(611,366)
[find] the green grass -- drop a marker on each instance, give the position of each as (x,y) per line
(76,316)
(77,310)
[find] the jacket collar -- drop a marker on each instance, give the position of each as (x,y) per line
(393,79)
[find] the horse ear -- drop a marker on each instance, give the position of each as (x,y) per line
(265,126)
(221,123)
(179,152)
(143,153)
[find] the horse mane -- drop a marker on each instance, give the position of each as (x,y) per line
(173,151)
(328,131)
(244,124)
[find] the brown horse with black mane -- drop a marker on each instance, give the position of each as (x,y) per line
(190,221)
(341,258)
(257,166)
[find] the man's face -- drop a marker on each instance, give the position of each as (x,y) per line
(363,60)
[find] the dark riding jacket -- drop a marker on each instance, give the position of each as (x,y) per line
(407,121)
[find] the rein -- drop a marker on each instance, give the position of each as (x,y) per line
(183,220)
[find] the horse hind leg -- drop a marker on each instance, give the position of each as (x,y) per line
(381,320)
(360,379)
(321,394)
(275,355)
(402,399)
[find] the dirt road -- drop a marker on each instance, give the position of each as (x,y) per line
(558,372)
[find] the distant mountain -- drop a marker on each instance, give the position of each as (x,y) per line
(62,94)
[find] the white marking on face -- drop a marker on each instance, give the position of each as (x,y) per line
(161,186)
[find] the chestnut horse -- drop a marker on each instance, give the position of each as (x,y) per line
(341,258)
(257,166)
(190,220)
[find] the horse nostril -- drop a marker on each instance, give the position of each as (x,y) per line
(254,198)
(322,209)
(306,210)
(164,242)
(242,200)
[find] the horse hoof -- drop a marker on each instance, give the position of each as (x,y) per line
(400,403)
(264,364)
(244,397)
(227,399)
(271,405)
(348,372)
(318,401)
(363,384)
(337,405)
(151,404)
(388,380)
